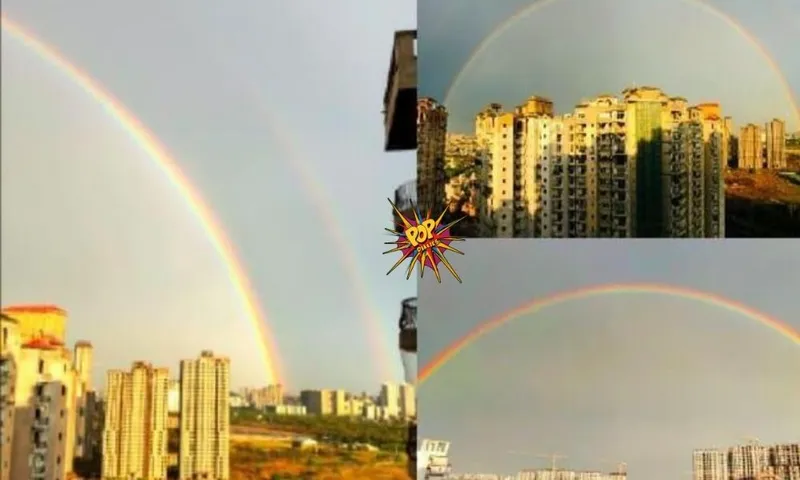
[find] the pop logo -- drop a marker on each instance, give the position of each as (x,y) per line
(424,242)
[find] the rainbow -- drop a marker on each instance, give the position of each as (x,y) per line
(536,305)
(150,144)
(377,334)
(702,4)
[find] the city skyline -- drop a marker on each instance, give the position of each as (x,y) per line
(132,266)
(461,64)
(640,377)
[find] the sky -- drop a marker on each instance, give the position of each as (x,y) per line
(570,50)
(637,378)
(273,110)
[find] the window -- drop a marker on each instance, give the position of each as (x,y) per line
(41,366)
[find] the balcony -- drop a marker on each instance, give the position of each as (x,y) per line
(400,99)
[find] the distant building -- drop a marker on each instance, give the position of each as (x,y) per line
(205,418)
(776,144)
(407,397)
(287,410)
(135,427)
(389,399)
(751,461)
(318,402)
(264,396)
(750,153)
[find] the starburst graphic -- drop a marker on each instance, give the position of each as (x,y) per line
(424,241)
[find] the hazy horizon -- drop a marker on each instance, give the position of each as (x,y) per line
(232,90)
(640,378)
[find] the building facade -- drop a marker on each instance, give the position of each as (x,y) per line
(752,461)
(640,165)
(431,135)
(135,426)
(775,148)
(750,150)
(205,418)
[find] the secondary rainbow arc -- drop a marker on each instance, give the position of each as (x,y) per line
(535,305)
(702,4)
(153,147)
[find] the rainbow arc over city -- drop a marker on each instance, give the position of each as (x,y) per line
(538,304)
(703,5)
(147,141)
(383,353)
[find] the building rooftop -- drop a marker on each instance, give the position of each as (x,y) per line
(34,308)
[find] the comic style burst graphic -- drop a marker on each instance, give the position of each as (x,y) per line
(425,242)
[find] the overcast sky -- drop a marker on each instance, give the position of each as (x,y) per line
(259,101)
(569,50)
(639,378)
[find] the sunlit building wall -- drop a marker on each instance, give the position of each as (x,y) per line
(776,144)
(39,321)
(205,418)
(750,152)
(135,427)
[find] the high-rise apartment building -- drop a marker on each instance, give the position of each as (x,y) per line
(407,397)
(750,150)
(643,165)
(318,402)
(389,399)
(205,418)
(135,426)
(82,360)
(748,462)
(269,395)
(710,465)
(776,144)
(466,189)
(431,134)
(44,421)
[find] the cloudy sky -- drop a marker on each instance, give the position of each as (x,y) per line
(636,378)
(569,50)
(273,110)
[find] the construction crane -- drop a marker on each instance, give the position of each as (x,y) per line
(553,457)
(622,467)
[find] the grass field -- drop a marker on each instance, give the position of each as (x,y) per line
(256,457)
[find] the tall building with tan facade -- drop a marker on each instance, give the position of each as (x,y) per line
(431,134)
(639,165)
(205,418)
(82,359)
(750,151)
(775,144)
(37,321)
(135,427)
